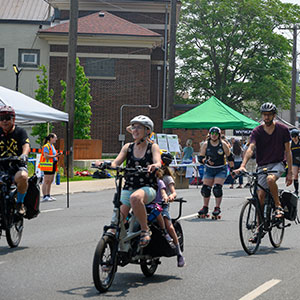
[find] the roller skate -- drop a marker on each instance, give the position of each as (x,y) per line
(216,213)
(203,212)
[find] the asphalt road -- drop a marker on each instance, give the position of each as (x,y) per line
(54,259)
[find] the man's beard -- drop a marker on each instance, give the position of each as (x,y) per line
(269,123)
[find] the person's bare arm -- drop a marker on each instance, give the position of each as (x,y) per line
(173,194)
(121,156)
(227,153)
(246,158)
(156,158)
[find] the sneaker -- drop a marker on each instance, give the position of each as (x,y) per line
(180,261)
(52,198)
(46,199)
(20,208)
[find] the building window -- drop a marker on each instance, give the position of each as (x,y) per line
(29,58)
(99,67)
(1,57)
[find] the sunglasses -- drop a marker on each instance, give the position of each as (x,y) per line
(215,133)
(6,118)
(137,127)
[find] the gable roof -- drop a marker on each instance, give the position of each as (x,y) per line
(28,10)
(103,23)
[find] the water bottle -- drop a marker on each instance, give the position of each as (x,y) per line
(154,213)
(57,178)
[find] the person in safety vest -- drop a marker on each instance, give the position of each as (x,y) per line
(48,164)
(14,142)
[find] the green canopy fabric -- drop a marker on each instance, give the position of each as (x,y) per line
(212,112)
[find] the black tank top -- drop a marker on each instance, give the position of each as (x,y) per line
(216,154)
(136,181)
(295,152)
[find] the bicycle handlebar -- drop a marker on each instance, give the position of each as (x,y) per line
(255,174)
(106,165)
(10,158)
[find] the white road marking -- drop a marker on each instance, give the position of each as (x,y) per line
(2,262)
(188,217)
(260,290)
(50,210)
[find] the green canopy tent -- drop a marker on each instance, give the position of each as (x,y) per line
(212,112)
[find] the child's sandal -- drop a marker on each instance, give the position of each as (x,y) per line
(145,238)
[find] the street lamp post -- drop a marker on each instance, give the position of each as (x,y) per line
(17,72)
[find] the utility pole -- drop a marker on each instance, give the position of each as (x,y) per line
(294,78)
(71,76)
(171,87)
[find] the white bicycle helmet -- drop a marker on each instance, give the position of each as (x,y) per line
(144,120)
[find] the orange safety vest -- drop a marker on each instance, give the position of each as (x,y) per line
(46,164)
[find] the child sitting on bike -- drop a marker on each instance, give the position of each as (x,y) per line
(166,175)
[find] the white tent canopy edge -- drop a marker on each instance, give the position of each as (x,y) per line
(29,110)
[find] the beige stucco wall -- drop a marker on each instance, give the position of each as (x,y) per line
(12,38)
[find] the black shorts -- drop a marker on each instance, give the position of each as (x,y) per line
(53,170)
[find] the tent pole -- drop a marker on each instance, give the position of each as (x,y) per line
(68,153)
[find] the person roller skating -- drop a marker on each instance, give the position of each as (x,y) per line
(213,155)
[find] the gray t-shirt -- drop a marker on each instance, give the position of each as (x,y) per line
(167,181)
(270,147)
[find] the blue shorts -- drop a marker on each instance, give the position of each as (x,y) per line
(165,211)
(149,191)
(211,173)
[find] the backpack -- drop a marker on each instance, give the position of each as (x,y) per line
(101,174)
(32,198)
(289,203)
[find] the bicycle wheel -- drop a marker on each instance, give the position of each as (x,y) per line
(179,232)
(250,218)
(105,263)
(14,231)
(149,266)
(276,232)
(14,226)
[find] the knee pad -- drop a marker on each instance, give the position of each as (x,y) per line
(206,190)
(217,190)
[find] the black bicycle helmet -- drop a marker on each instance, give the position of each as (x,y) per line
(7,110)
(268,107)
(166,158)
(294,132)
(214,130)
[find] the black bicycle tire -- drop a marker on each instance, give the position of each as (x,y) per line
(245,209)
(14,226)
(98,256)
(271,232)
(149,266)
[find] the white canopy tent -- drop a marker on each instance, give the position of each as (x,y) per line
(29,110)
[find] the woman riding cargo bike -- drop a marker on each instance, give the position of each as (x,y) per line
(125,240)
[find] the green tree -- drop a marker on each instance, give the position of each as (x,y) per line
(43,95)
(232,49)
(82,117)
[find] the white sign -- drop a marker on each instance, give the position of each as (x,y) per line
(162,141)
(173,143)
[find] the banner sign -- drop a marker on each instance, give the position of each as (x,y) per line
(241,132)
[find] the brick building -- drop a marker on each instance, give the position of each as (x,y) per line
(120,45)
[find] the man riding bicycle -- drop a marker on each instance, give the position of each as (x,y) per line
(14,142)
(272,141)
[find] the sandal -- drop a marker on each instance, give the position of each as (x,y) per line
(279,213)
(145,238)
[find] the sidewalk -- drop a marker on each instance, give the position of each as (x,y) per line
(83,186)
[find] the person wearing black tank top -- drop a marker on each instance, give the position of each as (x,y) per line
(295,148)
(213,155)
(139,190)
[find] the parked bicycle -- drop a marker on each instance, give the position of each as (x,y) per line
(11,223)
(121,247)
(256,221)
